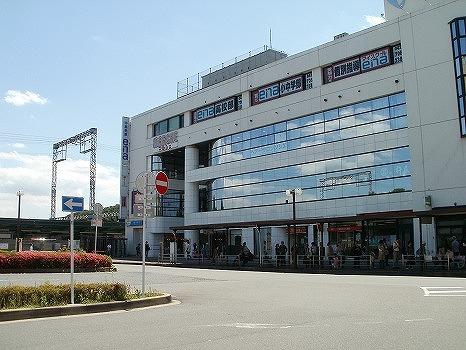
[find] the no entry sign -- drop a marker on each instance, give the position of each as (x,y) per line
(161,183)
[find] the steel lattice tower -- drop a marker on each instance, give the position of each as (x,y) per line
(87,141)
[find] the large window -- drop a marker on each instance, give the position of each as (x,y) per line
(364,118)
(170,204)
(172,164)
(168,125)
(365,174)
(458,36)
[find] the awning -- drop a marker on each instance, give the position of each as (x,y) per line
(306,221)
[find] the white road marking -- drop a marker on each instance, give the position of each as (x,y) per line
(444,291)
(420,320)
(252,325)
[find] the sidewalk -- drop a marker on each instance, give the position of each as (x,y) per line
(287,269)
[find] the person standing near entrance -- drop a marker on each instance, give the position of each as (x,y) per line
(283,251)
(396,253)
(147,249)
(455,246)
(109,249)
(382,254)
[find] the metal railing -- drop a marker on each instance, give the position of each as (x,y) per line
(194,82)
(336,262)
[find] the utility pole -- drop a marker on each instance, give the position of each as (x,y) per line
(18,226)
(293,193)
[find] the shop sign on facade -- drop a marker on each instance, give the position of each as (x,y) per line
(363,63)
(166,141)
(282,88)
(375,59)
(214,110)
(299,230)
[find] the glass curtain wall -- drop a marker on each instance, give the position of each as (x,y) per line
(356,120)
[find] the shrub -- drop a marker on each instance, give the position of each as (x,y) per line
(12,297)
(52,260)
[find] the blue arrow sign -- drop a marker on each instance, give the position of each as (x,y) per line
(73,204)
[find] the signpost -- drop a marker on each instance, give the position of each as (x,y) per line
(161,183)
(146,182)
(97,221)
(72,205)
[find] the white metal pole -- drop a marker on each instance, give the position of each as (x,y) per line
(95,239)
(143,288)
(72,255)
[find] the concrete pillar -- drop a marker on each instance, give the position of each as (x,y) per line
(246,99)
(428,237)
(310,233)
(416,241)
(191,190)
(325,238)
(193,237)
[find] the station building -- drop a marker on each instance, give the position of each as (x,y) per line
(370,127)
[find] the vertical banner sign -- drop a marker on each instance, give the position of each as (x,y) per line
(397,54)
(124,171)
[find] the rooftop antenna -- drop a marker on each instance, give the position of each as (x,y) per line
(270,38)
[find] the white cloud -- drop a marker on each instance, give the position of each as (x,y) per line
(374,20)
(32,174)
(19,98)
(17,145)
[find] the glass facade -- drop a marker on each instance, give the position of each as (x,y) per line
(364,118)
(366,174)
(458,36)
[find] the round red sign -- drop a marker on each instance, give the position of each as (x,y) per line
(161,183)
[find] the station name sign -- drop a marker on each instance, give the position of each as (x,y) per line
(166,141)
(363,63)
(282,88)
(214,110)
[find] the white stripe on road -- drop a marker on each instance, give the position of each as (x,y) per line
(444,291)
(420,320)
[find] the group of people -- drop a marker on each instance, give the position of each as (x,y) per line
(280,253)
(139,249)
(384,252)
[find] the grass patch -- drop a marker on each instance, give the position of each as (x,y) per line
(14,297)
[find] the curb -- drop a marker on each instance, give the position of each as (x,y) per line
(77,270)
(79,309)
(459,274)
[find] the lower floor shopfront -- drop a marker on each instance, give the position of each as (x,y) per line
(434,231)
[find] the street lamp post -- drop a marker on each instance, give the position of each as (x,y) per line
(18,226)
(293,193)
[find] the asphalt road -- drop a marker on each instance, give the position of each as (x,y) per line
(258,310)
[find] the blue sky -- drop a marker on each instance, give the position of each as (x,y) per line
(87,63)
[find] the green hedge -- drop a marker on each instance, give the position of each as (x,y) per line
(12,297)
(52,260)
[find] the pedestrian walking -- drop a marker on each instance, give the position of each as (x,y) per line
(109,249)
(138,249)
